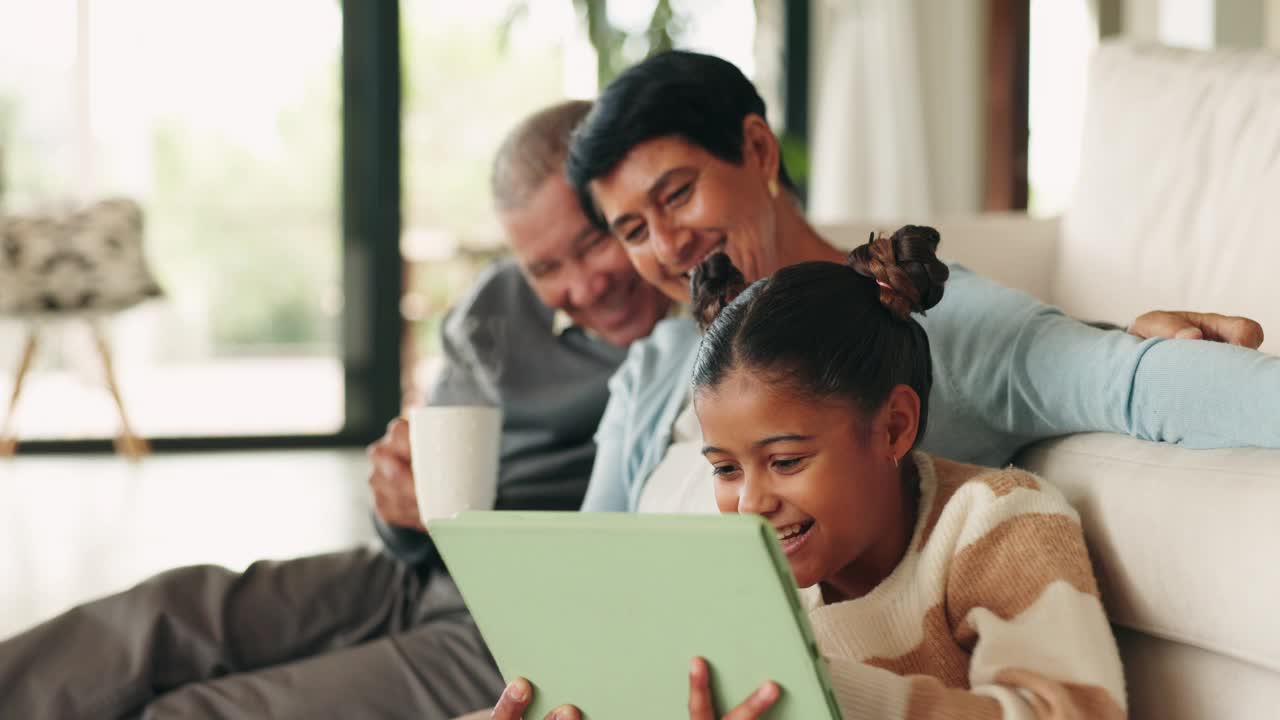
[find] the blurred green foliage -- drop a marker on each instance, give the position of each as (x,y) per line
(462,94)
(611,43)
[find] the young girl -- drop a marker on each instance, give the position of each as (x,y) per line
(938,590)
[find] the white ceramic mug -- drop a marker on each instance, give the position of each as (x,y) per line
(454,454)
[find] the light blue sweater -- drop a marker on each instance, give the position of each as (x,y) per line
(1007,370)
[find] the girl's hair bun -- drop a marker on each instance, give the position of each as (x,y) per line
(715,283)
(905,267)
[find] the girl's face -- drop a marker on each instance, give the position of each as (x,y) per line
(673,204)
(818,471)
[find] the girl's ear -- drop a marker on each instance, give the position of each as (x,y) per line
(901,417)
(760,146)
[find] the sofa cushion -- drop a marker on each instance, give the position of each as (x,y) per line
(1185,542)
(1010,248)
(1176,205)
(90,261)
(1170,681)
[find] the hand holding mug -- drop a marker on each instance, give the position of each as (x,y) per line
(391,478)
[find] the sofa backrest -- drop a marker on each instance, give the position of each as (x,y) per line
(1177,205)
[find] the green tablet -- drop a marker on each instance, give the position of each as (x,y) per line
(606,610)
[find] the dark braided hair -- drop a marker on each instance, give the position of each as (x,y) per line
(905,267)
(826,329)
(715,283)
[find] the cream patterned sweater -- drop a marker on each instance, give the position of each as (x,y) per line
(992,613)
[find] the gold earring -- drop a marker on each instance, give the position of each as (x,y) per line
(773,188)
(895,461)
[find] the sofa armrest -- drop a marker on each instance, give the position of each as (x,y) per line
(1183,541)
(1011,248)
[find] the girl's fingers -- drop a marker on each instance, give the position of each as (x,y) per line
(513,701)
(756,705)
(700,707)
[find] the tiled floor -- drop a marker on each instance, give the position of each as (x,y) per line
(76,527)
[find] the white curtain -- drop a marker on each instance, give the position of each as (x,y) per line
(768,51)
(869,157)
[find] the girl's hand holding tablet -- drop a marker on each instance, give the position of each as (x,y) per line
(519,693)
(516,698)
(701,706)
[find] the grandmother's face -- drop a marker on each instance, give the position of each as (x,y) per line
(673,204)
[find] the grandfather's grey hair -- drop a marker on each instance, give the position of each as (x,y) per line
(532,152)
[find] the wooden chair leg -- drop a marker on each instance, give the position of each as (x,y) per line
(9,441)
(127,443)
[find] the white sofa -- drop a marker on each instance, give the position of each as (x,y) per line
(1177,207)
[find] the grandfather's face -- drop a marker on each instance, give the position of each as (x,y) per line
(574,267)
(673,205)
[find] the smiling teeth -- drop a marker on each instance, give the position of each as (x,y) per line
(789,531)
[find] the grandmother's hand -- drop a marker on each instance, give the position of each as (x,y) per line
(516,698)
(701,706)
(1185,325)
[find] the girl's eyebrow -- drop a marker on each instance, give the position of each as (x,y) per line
(708,449)
(781,438)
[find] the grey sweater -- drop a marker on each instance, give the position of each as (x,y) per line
(499,349)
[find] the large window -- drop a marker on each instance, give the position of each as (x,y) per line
(226,122)
(223,120)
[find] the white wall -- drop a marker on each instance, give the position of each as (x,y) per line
(1273,24)
(1240,23)
(1141,19)
(1231,23)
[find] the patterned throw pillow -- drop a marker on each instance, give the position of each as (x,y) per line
(89,262)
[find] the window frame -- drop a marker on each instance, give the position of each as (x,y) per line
(372,269)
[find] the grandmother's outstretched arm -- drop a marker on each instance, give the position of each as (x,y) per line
(1029,372)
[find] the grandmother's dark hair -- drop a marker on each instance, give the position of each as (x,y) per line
(826,329)
(700,98)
